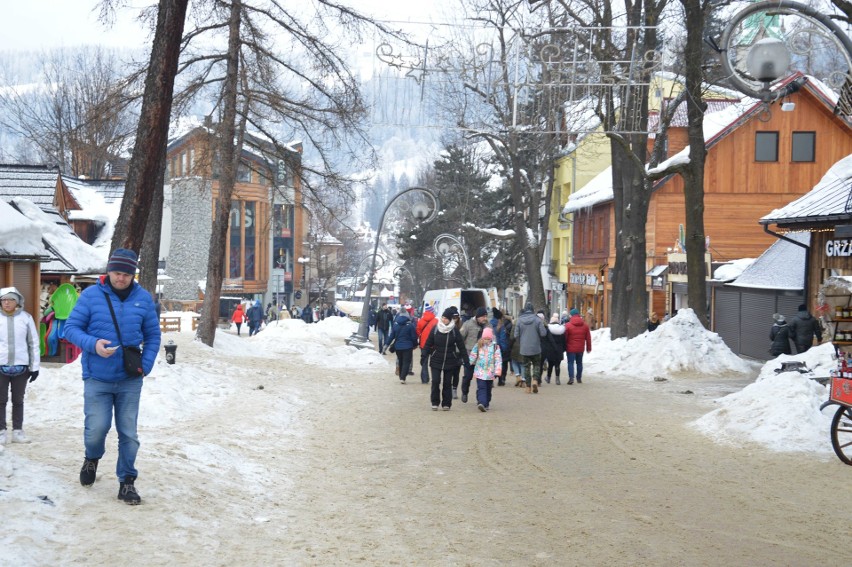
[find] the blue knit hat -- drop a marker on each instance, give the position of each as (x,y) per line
(428,307)
(573,312)
(124,261)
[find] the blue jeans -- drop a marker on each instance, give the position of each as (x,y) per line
(99,400)
(383,338)
(578,357)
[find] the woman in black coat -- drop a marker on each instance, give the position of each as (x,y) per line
(780,336)
(445,348)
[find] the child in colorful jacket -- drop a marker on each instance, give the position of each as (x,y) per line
(487,363)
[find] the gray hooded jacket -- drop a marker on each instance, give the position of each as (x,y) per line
(529,329)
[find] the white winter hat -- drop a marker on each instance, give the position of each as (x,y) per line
(12,293)
(778,317)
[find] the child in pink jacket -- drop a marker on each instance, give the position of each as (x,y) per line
(487,363)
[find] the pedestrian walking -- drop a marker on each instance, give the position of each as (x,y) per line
(403,337)
(445,347)
(528,331)
(471,331)
(578,337)
(19,360)
(553,348)
(115,324)
(424,326)
(239,317)
(487,364)
(780,334)
(255,317)
(803,328)
(384,319)
(502,327)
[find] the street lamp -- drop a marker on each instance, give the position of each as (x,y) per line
(771,58)
(303,262)
(361,264)
(397,274)
(447,244)
(425,209)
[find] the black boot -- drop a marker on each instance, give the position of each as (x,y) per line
(127,492)
(87,473)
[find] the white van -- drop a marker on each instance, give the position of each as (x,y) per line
(471,298)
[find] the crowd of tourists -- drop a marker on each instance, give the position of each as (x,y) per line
(458,348)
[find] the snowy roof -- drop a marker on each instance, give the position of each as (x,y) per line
(716,126)
(73,256)
(20,238)
(826,202)
(110,190)
(36,183)
(781,266)
(680,119)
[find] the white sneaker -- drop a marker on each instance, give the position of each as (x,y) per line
(19,437)
(2,437)
(434,408)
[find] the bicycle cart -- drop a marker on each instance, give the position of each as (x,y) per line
(841,424)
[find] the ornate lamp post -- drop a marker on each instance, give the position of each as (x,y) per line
(447,244)
(360,265)
(399,271)
(425,209)
(776,55)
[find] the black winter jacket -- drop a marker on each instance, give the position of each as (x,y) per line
(446,350)
(780,336)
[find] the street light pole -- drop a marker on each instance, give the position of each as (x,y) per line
(422,212)
(455,246)
(769,59)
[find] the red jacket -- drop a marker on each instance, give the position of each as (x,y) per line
(425,326)
(577,335)
(239,316)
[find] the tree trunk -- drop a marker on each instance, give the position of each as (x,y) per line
(150,257)
(147,161)
(206,331)
(693,186)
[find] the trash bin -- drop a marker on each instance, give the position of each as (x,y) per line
(171,352)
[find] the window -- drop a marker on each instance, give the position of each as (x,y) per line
(804,146)
(766,146)
(243,173)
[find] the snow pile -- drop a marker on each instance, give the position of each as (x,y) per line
(779,411)
(318,343)
(680,346)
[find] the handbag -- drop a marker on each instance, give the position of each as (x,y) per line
(392,346)
(132,355)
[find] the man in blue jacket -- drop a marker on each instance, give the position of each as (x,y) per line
(107,387)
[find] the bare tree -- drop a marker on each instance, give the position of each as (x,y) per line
(308,94)
(78,115)
(147,163)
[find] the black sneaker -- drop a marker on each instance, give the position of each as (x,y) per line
(127,492)
(87,473)
(464,398)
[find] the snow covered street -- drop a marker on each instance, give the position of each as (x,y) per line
(290,448)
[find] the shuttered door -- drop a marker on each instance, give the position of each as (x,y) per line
(24,278)
(788,306)
(756,316)
(726,314)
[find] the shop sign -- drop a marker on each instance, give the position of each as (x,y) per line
(557,286)
(838,248)
(583,279)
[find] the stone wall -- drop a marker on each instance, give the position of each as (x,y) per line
(191,210)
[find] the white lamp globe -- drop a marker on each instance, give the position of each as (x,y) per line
(768,60)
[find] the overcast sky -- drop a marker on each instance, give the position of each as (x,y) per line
(34,25)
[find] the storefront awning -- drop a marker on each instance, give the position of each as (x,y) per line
(657,271)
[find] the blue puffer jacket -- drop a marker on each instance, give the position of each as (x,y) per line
(91,320)
(404,333)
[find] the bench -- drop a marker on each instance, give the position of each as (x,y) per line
(170,324)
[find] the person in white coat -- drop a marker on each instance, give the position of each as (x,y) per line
(19,359)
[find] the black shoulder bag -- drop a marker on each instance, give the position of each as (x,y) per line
(132,355)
